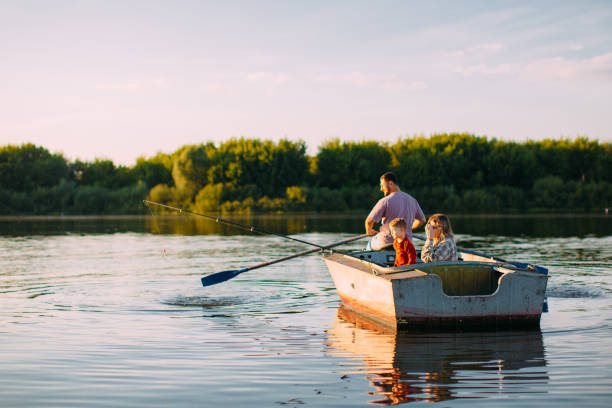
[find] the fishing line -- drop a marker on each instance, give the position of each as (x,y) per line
(219,220)
(154,218)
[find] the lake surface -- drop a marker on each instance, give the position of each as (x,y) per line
(110,312)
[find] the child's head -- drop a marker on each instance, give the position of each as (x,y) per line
(443,224)
(398,228)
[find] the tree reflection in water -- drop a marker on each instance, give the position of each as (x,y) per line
(407,366)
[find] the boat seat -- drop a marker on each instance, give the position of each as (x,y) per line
(468,280)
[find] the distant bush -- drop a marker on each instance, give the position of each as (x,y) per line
(161,193)
(91,200)
(297,198)
(480,201)
(591,196)
(511,198)
(15,203)
(57,200)
(211,197)
(127,200)
(550,192)
(326,199)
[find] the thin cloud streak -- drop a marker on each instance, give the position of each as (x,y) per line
(478,49)
(268,77)
(360,80)
(136,86)
(594,68)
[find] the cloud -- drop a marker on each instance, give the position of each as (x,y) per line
(404,85)
(268,77)
(476,50)
(486,48)
(561,68)
(136,86)
(354,78)
(596,67)
(218,88)
(359,79)
(485,69)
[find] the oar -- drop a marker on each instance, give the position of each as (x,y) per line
(467,251)
(219,277)
(234,224)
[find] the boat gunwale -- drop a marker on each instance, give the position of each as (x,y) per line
(424,275)
(387,271)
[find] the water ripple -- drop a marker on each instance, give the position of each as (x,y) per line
(122,320)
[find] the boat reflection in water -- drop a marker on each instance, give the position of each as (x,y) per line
(407,366)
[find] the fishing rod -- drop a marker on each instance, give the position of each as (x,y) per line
(223,276)
(235,224)
(466,250)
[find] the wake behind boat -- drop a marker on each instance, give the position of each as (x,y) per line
(479,290)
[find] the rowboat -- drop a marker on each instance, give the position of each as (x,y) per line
(478,290)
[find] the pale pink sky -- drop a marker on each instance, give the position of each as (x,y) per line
(121,79)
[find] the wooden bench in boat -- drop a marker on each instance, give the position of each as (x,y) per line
(467,280)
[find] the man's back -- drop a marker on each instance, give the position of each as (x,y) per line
(396,205)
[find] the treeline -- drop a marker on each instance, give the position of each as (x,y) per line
(453,173)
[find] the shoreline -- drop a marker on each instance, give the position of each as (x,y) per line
(284,215)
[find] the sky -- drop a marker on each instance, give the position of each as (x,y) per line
(124,79)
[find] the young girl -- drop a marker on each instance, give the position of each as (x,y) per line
(440,244)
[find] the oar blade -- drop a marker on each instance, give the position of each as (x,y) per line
(219,277)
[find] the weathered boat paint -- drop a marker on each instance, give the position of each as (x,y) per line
(477,292)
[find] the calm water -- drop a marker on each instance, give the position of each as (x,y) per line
(110,312)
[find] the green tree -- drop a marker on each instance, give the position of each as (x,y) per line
(455,160)
(297,198)
(162,193)
(190,166)
(102,173)
(268,166)
(550,192)
(152,172)
(511,164)
(480,201)
(91,200)
(211,197)
(27,167)
(341,164)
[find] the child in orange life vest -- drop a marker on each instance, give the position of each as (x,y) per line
(405,254)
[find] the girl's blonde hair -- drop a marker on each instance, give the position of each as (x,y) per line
(444,222)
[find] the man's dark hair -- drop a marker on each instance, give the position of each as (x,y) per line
(388,176)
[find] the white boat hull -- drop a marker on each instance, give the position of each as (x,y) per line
(445,294)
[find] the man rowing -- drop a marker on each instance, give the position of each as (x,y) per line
(395,204)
